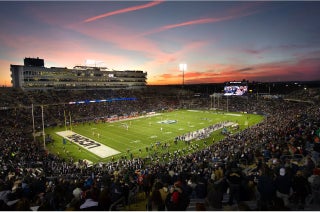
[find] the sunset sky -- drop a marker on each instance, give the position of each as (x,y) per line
(219,41)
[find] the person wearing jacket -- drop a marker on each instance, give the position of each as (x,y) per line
(283,184)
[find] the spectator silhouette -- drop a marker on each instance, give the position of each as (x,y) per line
(283,184)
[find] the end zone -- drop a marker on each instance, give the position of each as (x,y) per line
(89,144)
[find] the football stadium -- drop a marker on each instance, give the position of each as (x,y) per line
(161,148)
(160,105)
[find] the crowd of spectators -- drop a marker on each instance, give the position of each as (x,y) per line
(270,166)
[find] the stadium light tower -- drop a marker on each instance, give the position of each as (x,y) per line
(183,68)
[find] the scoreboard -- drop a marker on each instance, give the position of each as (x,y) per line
(235,88)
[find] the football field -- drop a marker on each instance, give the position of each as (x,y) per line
(152,136)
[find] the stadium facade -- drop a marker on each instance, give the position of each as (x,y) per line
(33,75)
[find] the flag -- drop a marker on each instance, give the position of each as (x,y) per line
(317,136)
(318,133)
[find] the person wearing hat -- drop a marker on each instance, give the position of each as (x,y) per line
(283,184)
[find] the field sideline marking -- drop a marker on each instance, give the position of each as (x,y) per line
(233,114)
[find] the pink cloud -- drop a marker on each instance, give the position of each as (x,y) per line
(64,52)
(187,23)
(152,53)
(125,10)
(233,14)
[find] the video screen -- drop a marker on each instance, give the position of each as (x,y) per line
(235,90)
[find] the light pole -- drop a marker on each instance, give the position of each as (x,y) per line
(214,101)
(227,104)
(183,68)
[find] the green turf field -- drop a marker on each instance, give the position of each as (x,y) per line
(139,137)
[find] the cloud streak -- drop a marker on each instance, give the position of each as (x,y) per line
(198,21)
(187,23)
(125,10)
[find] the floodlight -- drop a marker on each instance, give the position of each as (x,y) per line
(183,68)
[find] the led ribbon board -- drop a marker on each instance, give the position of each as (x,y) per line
(103,100)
